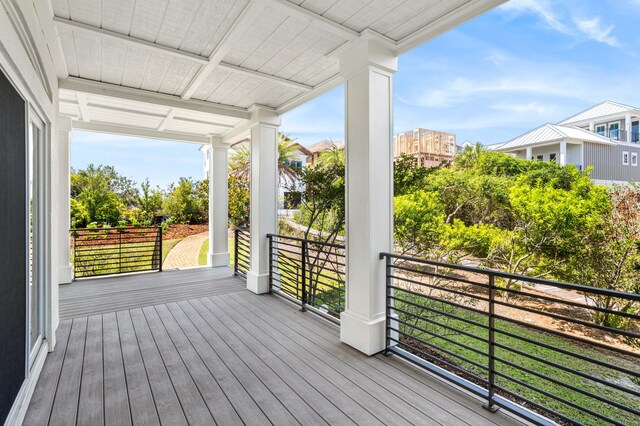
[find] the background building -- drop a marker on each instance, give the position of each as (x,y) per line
(604,137)
(428,147)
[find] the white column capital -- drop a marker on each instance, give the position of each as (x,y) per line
(218,144)
(64,124)
(367,54)
(264,116)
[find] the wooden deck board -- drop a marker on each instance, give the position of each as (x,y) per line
(90,406)
(224,356)
(116,396)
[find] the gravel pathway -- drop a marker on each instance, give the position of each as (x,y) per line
(185,253)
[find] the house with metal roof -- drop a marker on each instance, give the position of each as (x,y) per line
(604,137)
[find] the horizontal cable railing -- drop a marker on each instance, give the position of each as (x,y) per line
(567,352)
(242,252)
(309,272)
(108,251)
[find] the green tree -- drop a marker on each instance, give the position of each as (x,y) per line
(240,161)
(184,203)
(102,192)
(607,256)
(150,200)
(238,201)
(408,176)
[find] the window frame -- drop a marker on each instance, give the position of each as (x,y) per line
(625,158)
(634,159)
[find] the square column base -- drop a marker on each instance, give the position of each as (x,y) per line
(257,283)
(217,260)
(366,336)
(65,274)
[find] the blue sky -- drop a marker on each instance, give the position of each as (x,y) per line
(523,64)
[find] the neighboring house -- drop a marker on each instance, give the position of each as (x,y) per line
(465,145)
(287,198)
(318,148)
(428,147)
(604,137)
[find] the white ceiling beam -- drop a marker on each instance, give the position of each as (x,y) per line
(90,29)
(167,120)
(266,77)
(169,101)
(319,89)
(139,132)
(251,12)
(207,123)
(84,106)
(236,134)
(44,10)
(314,19)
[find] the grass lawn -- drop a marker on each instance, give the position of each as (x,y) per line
(202,256)
(512,364)
(113,259)
(167,245)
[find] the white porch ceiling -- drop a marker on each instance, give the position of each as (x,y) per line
(230,53)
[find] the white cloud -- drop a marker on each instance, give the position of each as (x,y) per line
(541,8)
(595,30)
(557,17)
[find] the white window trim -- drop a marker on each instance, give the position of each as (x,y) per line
(619,129)
(625,155)
(634,159)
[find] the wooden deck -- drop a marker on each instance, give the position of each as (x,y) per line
(115,293)
(231,358)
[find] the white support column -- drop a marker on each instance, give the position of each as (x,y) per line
(627,128)
(218,204)
(592,126)
(368,72)
(264,194)
(562,161)
(63,194)
(529,153)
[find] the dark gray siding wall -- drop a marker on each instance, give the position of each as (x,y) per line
(607,162)
(13,250)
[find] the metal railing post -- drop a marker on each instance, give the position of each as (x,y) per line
(75,253)
(235,251)
(160,248)
(490,405)
(388,307)
(270,239)
(120,252)
(304,276)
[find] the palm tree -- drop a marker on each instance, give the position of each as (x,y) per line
(240,161)
(332,158)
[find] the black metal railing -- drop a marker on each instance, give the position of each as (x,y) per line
(108,251)
(312,273)
(241,252)
(539,348)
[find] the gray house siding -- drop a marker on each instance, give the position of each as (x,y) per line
(607,162)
